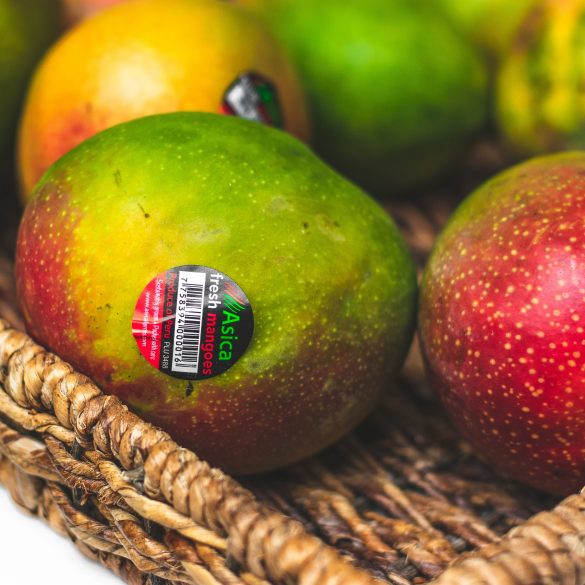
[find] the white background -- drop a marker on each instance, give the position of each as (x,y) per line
(31,553)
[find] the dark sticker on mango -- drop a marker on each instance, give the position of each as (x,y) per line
(253,97)
(192,322)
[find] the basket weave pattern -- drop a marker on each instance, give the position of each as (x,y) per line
(398,501)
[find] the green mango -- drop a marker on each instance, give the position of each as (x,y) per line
(489,24)
(328,277)
(27,28)
(395,92)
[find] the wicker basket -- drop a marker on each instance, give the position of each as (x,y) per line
(402,500)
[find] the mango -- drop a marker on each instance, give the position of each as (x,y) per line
(154,56)
(540,106)
(311,284)
(27,28)
(502,321)
(77,10)
(489,24)
(395,93)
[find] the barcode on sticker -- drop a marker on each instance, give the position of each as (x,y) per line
(189,316)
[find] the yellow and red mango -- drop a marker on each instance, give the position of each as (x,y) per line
(146,57)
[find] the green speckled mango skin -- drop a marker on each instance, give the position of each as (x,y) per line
(540,106)
(328,276)
(27,27)
(394,92)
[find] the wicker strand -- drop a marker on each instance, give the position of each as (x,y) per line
(199,502)
(109,481)
(35,497)
(548,549)
(270,545)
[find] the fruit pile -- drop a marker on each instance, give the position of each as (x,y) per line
(196,235)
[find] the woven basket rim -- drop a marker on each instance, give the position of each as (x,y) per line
(58,429)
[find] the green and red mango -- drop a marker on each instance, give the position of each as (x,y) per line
(329,279)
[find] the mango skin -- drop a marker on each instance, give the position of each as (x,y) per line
(146,57)
(489,24)
(539,90)
(77,10)
(502,318)
(27,28)
(394,92)
(329,278)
